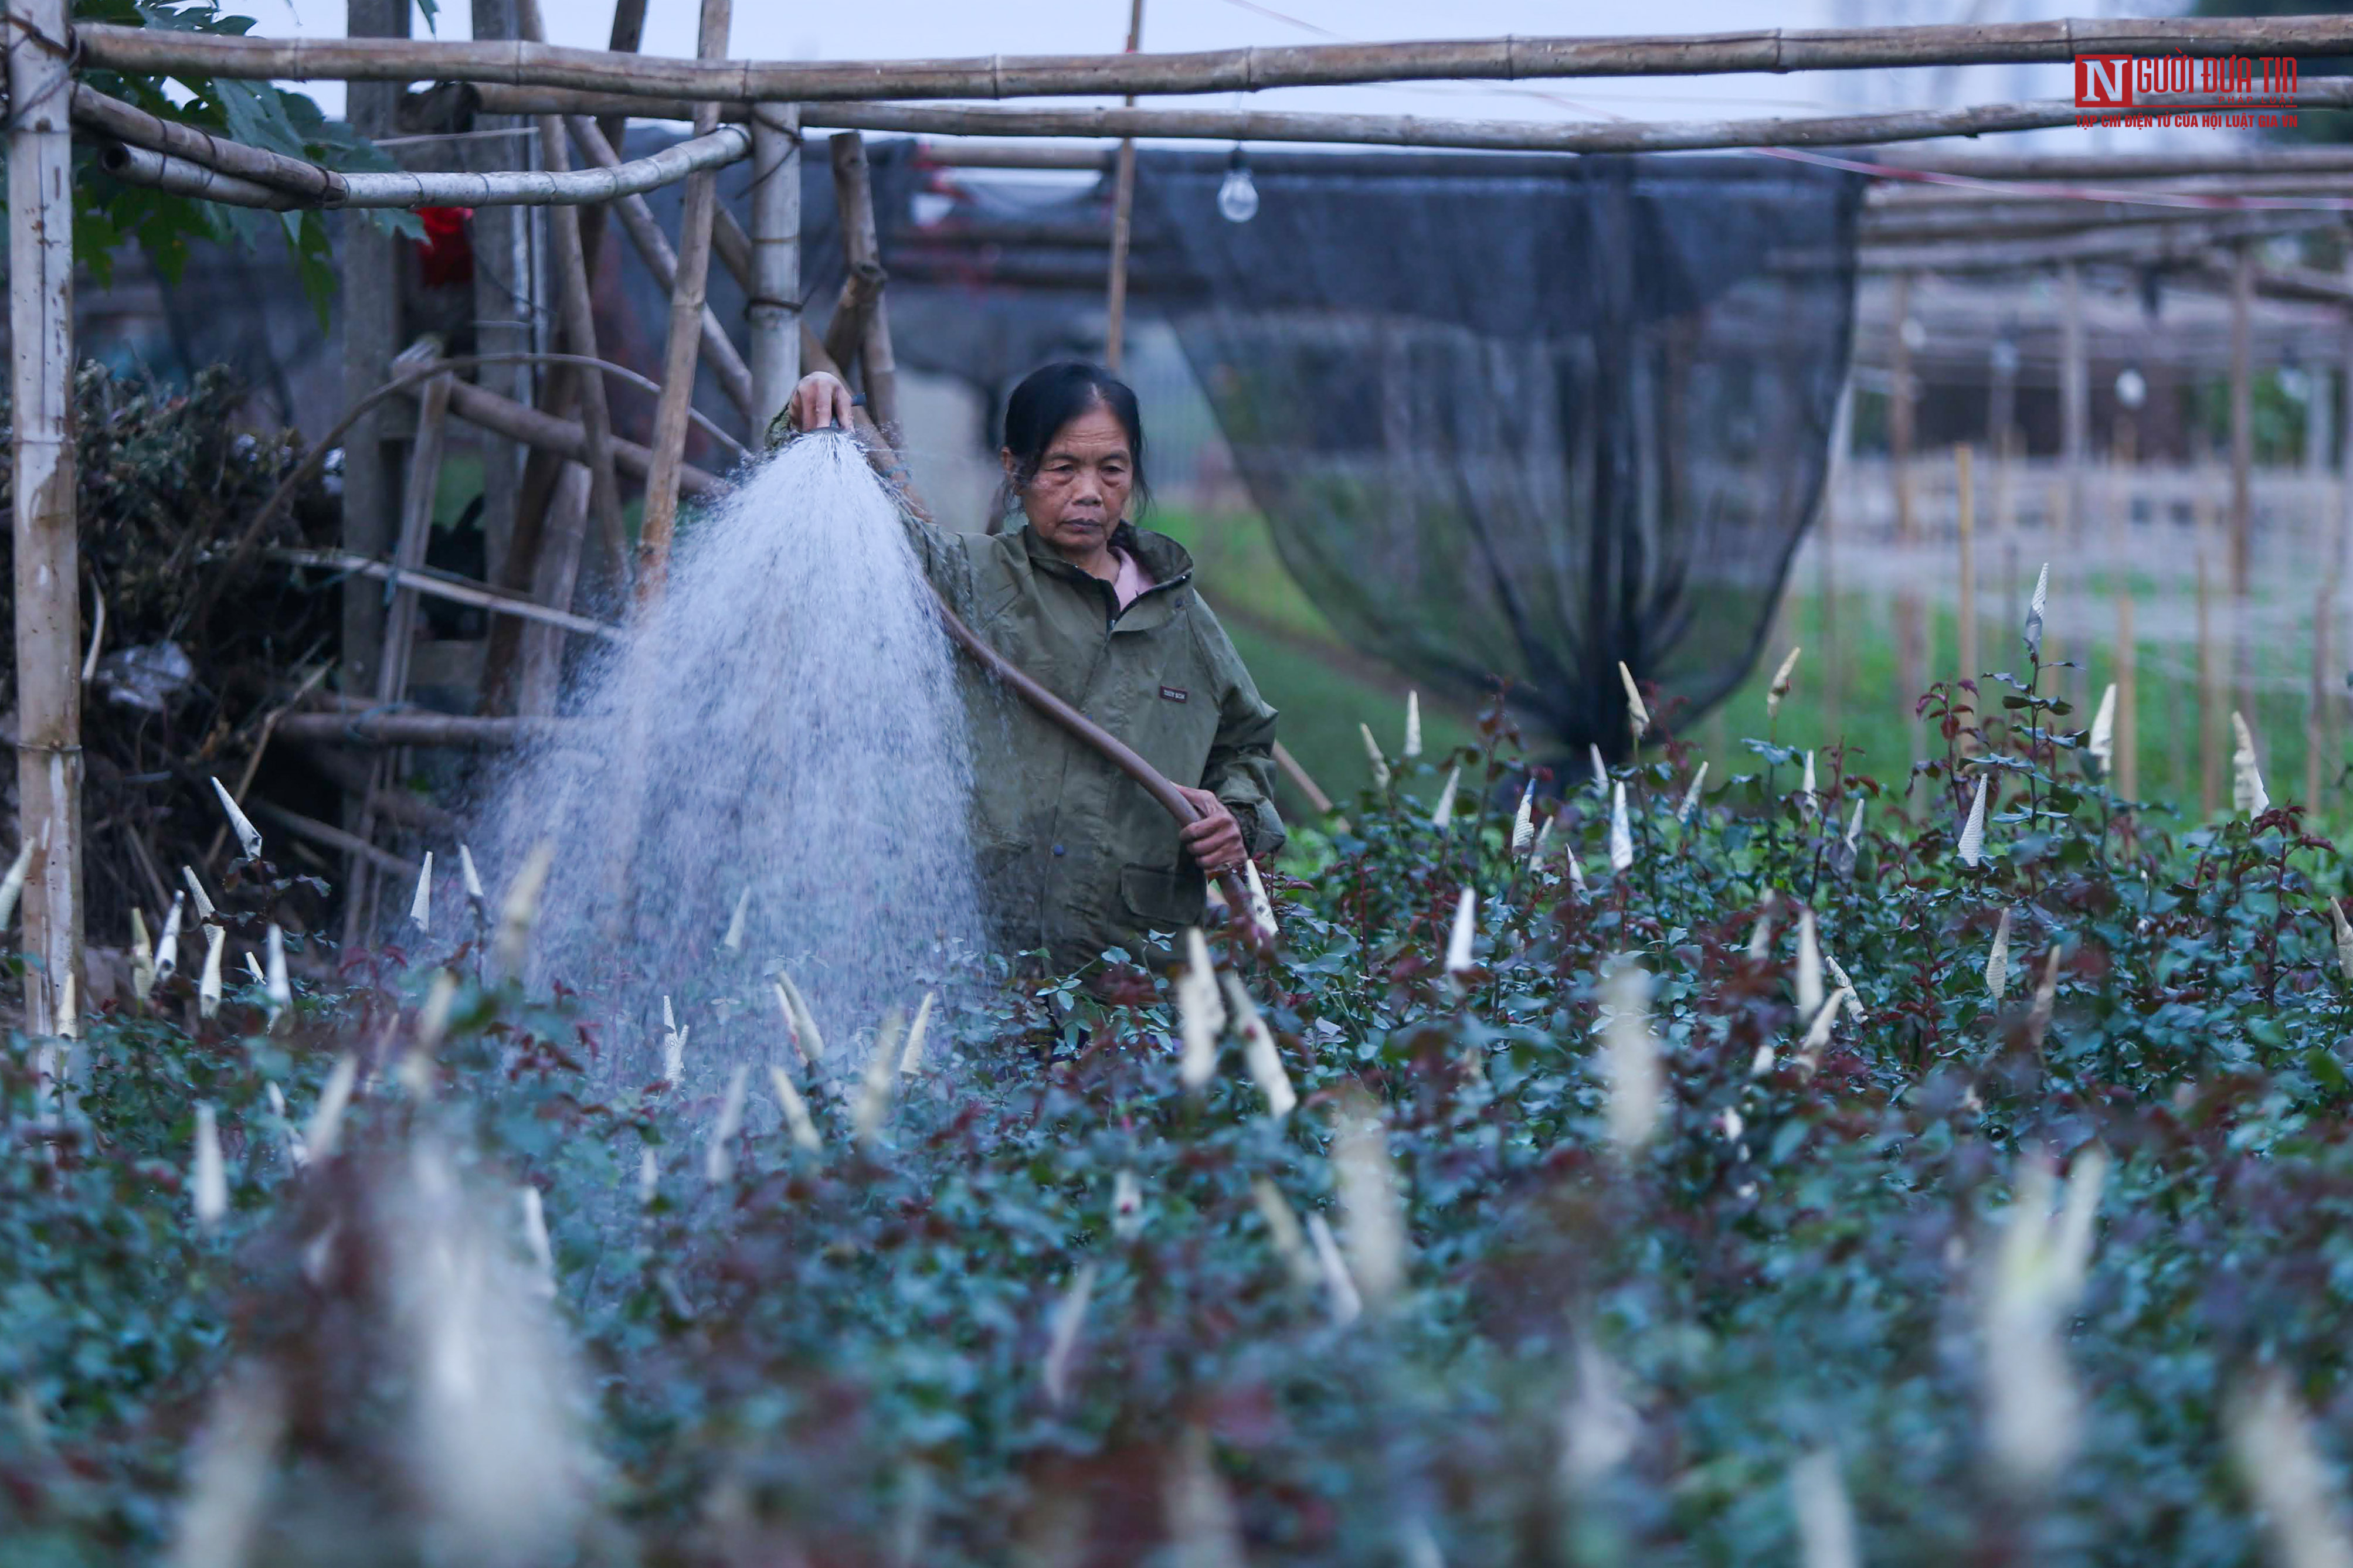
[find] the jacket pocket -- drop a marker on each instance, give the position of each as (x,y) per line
(1160,899)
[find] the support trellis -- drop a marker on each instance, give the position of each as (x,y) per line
(760,110)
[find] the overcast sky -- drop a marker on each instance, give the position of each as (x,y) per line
(854,29)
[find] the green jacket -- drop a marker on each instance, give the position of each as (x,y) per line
(1073,856)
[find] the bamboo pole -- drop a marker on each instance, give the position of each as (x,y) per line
(1842,454)
(853,190)
(558,580)
(565,438)
(94,111)
(418,496)
(156,51)
(653,247)
(187,169)
(506,296)
(2331,687)
(435,584)
(2245,159)
(853,311)
(2074,400)
(628,33)
(2242,428)
(1123,212)
(1966,528)
(685,341)
(966,121)
(1911,666)
(45,542)
(2242,462)
(516,656)
(772,306)
(2185,244)
(375,729)
(2209,678)
(2125,736)
(579,315)
(453,188)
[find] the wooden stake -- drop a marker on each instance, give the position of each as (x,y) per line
(418,496)
(629,32)
(2209,680)
(685,341)
(2242,460)
(1965,528)
(1833,651)
(415,528)
(2074,400)
(2127,734)
(1911,654)
(853,192)
(1123,210)
(772,308)
(47,547)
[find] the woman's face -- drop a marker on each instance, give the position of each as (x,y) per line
(1080,490)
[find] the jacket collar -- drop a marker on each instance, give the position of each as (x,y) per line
(1168,562)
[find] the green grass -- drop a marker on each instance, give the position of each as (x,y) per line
(1323,688)
(1847,686)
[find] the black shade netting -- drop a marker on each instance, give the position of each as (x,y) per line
(1518,419)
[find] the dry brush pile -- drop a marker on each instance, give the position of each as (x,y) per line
(1659,1170)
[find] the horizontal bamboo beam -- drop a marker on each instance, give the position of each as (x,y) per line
(2113,166)
(94,111)
(441,586)
(156,51)
(2179,242)
(179,176)
(319,832)
(502,416)
(183,175)
(422,729)
(1928,226)
(1901,195)
(1111,123)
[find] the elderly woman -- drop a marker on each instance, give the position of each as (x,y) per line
(1073,856)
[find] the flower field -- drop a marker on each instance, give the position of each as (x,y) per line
(1661,1176)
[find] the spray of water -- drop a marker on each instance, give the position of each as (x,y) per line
(772,771)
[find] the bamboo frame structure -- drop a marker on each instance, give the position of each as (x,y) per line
(766,104)
(158,52)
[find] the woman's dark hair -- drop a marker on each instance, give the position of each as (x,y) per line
(1051,397)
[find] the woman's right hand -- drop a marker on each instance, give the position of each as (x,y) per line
(821,400)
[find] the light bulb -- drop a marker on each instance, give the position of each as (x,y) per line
(1238,198)
(2131,387)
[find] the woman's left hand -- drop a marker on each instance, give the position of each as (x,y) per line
(1213,839)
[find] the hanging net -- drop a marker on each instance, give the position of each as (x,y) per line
(1512,419)
(1519,419)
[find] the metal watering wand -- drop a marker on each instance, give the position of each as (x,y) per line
(1118,753)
